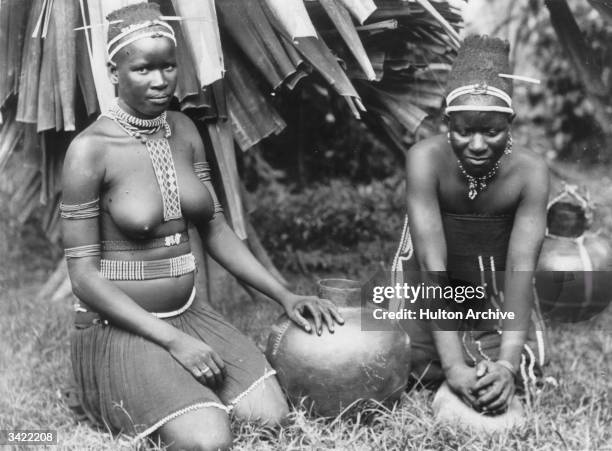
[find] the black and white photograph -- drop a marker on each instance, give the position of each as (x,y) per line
(306,225)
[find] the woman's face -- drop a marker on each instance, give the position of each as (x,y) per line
(146,75)
(479,138)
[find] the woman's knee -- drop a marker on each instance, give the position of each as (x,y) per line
(204,429)
(265,403)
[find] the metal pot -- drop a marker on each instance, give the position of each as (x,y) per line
(573,280)
(334,370)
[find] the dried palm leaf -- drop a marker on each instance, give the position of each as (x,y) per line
(27,106)
(223,146)
(361,9)
(341,18)
(201,32)
(189,91)
(84,75)
(253,118)
(10,136)
(292,17)
(250,29)
(13,21)
(434,12)
(47,101)
(64,20)
(25,200)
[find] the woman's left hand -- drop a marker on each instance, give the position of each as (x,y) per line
(494,388)
(321,310)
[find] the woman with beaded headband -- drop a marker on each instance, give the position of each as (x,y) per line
(148,356)
(477,214)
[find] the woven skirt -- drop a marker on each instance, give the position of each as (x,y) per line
(126,383)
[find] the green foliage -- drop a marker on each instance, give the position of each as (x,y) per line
(562,104)
(329,226)
(322,141)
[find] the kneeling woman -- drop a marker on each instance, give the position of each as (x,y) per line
(147,355)
(478,207)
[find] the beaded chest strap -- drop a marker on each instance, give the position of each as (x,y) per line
(159,153)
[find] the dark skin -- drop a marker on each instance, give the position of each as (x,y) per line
(105,162)
(435,184)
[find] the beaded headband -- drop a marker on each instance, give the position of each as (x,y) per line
(141,30)
(479,89)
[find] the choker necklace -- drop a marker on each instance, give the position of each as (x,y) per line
(136,126)
(160,154)
(476,185)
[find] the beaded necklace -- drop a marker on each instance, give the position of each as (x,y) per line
(159,153)
(476,185)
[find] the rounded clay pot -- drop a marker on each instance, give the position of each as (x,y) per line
(572,279)
(334,370)
(342,292)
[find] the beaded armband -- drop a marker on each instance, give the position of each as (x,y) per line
(90,250)
(202,171)
(85,210)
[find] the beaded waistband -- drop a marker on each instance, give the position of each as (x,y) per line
(148,269)
(165,241)
(85,318)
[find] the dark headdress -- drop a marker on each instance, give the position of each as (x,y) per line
(479,68)
(134,22)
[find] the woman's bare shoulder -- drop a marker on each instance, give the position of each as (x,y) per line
(184,127)
(530,164)
(87,149)
(532,170)
(427,154)
(180,122)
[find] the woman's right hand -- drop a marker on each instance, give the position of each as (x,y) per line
(462,380)
(198,358)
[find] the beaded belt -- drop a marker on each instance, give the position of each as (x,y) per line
(148,269)
(165,241)
(85,318)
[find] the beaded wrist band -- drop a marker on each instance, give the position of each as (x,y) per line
(508,366)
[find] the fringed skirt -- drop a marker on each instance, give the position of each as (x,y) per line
(476,345)
(129,384)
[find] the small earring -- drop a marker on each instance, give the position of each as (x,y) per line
(508,149)
(448,137)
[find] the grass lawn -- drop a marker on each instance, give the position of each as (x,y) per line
(573,413)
